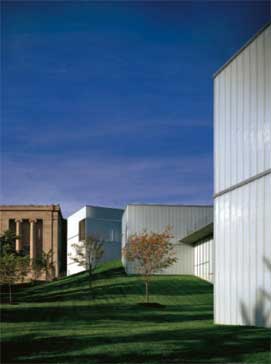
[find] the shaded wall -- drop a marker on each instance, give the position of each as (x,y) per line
(204,259)
(63,249)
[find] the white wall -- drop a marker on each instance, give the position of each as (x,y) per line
(184,264)
(243,255)
(73,237)
(242,219)
(204,259)
(183,220)
(102,222)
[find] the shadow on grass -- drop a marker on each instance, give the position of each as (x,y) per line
(41,291)
(76,288)
(107,291)
(191,345)
(101,331)
(106,312)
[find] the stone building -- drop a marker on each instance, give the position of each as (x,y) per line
(40,228)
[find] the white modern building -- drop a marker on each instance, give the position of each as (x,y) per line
(202,242)
(242,218)
(102,222)
(191,228)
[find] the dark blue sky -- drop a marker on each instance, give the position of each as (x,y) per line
(111,103)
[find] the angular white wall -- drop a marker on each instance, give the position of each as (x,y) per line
(242,219)
(183,220)
(72,238)
(243,255)
(100,221)
(242,113)
(204,259)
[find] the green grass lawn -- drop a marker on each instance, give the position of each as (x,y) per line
(59,322)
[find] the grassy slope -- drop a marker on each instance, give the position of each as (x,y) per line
(59,322)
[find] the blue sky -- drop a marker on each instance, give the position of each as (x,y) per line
(111,103)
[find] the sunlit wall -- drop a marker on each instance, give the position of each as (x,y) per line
(182,219)
(242,218)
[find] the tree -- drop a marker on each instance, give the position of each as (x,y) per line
(88,253)
(151,252)
(8,260)
(43,263)
(23,266)
(9,271)
(8,242)
(47,264)
(36,267)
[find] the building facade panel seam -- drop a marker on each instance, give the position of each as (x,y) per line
(243,183)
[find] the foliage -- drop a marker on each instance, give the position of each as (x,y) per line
(10,260)
(88,253)
(48,264)
(37,268)
(23,267)
(151,252)
(43,264)
(8,242)
(9,271)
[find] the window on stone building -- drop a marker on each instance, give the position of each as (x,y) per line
(39,234)
(82,230)
(25,236)
(12,225)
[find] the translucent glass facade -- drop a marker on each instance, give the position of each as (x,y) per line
(182,219)
(242,218)
(242,115)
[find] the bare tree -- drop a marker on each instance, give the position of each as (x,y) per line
(88,253)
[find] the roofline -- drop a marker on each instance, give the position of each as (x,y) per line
(261,30)
(166,205)
(105,207)
(31,207)
(100,207)
(51,207)
(199,234)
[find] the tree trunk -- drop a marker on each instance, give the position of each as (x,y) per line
(90,278)
(10,298)
(147,291)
